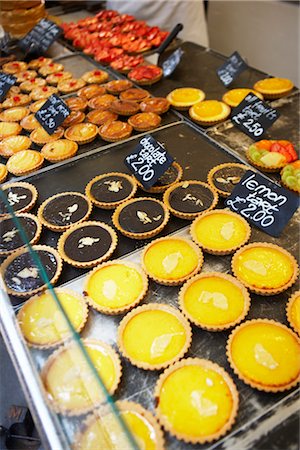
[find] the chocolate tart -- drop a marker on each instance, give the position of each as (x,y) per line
(158,105)
(21,272)
(87,244)
(265,269)
(40,136)
(115,287)
(69,381)
(76,103)
(265,355)
(171,176)
(124,107)
(184,98)
(115,87)
(109,190)
(95,76)
(144,121)
(49,68)
(134,95)
(14,67)
(10,237)
(234,97)
(41,93)
(16,100)
(214,301)
(91,90)
(224,177)
(20,196)
(59,150)
(71,85)
(29,123)
(172,261)
(3,172)
(13,144)
(141,218)
(293,311)
(31,84)
(34,107)
(8,129)
(115,131)
(145,75)
(61,211)
(197,401)
(82,133)
(101,101)
(209,112)
(42,322)
(230,231)
(25,75)
(188,199)
(15,114)
(58,77)
(154,336)
(272,88)
(39,62)
(73,118)
(24,162)
(100,117)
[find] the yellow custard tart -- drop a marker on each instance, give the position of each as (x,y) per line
(15,114)
(14,67)
(34,107)
(16,100)
(214,301)
(184,98)
(82,133)
(40,136)
(154,336)
(43,92)
(197,401)
(3,172)
(115,287)
(265,269)
(13,144)
(39,62)
(42,322)
(95,76)
(25,75)
(49,68)
(265,354)
(70,383)
(293,311)
(57,77)
(234,97)
(32,83)
(59,150)
(30,123)
(230,231)
(8,129)
(24,162)
(209,112)
(171,261)
(272,88)
(103,430)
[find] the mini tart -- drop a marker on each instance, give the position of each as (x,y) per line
(34,107)
(42,92)
(42,322)
(14,67)
(59,150)
(265,269)
(171,176)
(3,172)
(290,176)
(22,275)
(61,211)
(209,112)
(230,231)
(14,90)
(154,336)
(141,218)
(40,136)
(82,133)
(115,87)
(87,244)
(184,98)
(70,384)
(29,123)
(145,75)
(10,237)
(158,105)
(76,103)
(101,101)
(267,161)
(234,97)
(16,100)
(265,354)
(100,117)
(58,77)
(8,129)
(39,62)
(172,261)
(13,144)
(134,95)
(272,88)
(95,76)
(115,131)
(115,287)
(214,301)
(109,190)
(31,84)
(224,177)
(71,85)
(144,121)
(124,107)
(24,162)
(101,430)
(49,68)
(197,401)
(20,196)
(15,114)
(73,118)
(91,90)
(188,199)
(25,75)
(293,311)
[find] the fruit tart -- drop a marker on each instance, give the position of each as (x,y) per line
(49,68)
(145,74)
(16,100)
(43,92)
(290,176)
(25,75)
(14,67)
(271,155)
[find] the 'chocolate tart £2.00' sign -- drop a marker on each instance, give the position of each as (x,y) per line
(231,69)
(53,112)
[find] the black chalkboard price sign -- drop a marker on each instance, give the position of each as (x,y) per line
(253,116)
(231,69)
(6,82)
(39,39)
(148,161)
(263,203)
(170,64)
(52,113)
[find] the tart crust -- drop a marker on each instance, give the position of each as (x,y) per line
(82,133)
(24,185)
(210,176)
(272,92)
(3,172)
(40,136)
(289,314)
(35,238)
(157,188)
(35,161)
(214,118)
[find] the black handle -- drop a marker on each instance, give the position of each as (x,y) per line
(170,38)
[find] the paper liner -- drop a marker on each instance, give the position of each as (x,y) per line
(214,120)
(263,167)
(184,106)
(146,235)
(215,169)
(122,405)
(289,306)
(18,252)
(266,291)
(136,127)
(144,81)
(255,384)
(59,131)
(122,309)
(214,251)
(35,238)
(189,216)
(220,327)
(68,336)
(87,264)
(80,140)
(64,227)
(55,157)
(181,280)
(159,189)
(112,205)
(25,185)
(5,172)
(54,404)
(108,138)
(228,380)
(154,307)
(15,170)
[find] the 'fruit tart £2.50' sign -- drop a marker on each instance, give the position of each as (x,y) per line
(53,112)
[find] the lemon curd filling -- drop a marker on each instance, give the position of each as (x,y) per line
(186,95)
(25,159)
(274,84)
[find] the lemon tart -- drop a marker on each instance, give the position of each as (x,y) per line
(82,133)
(71,385)
(3,172)
(184,98)
(95,76)
(59,150)
(272,88)
(197,401)
(42,321)
(171,261)
(224,177)
(209,112)
(10,237)
(115,287)
(15,114)
(293,311)
(265,354)
(265,269)
(40,136)
(234,97)
(20,196)
(24,162)
(30,123)
(13,144)
(25,75)
(154,336)
(8,129)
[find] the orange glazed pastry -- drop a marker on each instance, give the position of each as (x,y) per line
(76,103)
(91,90)
(115,87)
(82,133)
(73,118)
(234,97)
(209,112)
(158,105)
(101,101)
(100,117)
(124,108)
(144,121)
(272,88)
(115,131)
(134,95)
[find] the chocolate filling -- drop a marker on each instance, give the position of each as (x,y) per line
(18,198)
(141,216)
(65,210)
(227,178)
(111,189)
(168,177)
(87,243)
(11,238)
(194,198)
